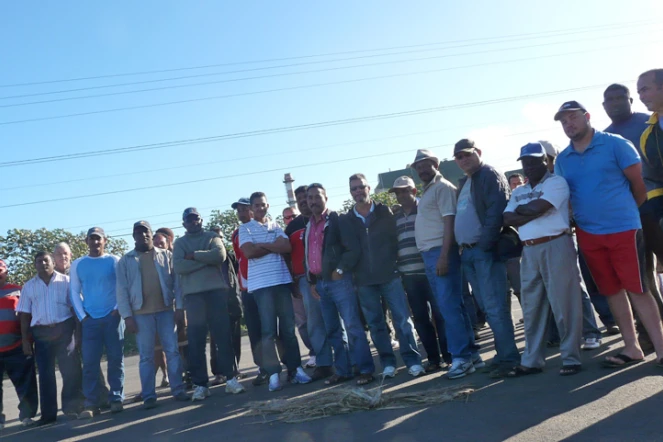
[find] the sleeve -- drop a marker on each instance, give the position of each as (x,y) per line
(350,243)
(244,235)
(122,290)
(625,154)
(25,299)
(215,255)
(512,204)
(184,266)
(496,193)
(175,281)
(279,231)
(556,192)
(76,295)
(558,167)
(446,200)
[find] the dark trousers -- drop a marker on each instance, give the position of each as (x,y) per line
(51,346)
(236,339)
(21,371)
(427,317)
(208,311)
(652,230)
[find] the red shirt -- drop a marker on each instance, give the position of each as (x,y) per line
(295,232)
(10,324)
(243,262)
(316,237)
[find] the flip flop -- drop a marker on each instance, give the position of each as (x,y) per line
(521,370)
(625,359)
(570,370)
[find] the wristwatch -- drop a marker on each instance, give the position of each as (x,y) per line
(339,271)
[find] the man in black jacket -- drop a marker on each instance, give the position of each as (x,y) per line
(376,276)
(482,198)
(331,252)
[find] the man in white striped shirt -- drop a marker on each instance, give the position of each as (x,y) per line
(48,318)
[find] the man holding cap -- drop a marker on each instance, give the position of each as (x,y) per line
(549,274)
(93,285)
(413,274)
(146,292)
(198,257)
(604,174)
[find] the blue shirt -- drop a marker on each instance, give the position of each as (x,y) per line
(630,129)
(93,286)
(601,195)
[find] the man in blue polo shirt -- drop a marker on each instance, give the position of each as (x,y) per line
(605,179)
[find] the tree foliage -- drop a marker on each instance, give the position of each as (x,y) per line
(19,247)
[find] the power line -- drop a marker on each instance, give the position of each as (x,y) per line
(510,36)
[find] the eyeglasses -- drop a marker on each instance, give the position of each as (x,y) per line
(289,217)
(360,187)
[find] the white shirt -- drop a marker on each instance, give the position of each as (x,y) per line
(48,304)
(555,190)
(269,270)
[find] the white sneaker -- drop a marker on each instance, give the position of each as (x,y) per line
(310,363)
(389,371)
(416,370)
(275,382)
(591,344)
(27,422)
(301,377)
(234,387)
(200,393)
(460,368)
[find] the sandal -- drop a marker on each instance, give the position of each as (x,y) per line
(626,361)
(570,370)
(365,379)
(336,379)
(521,370)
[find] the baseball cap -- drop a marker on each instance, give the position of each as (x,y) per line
(143,224)
(551,149)
(96,231)
(532,150)
(403,182)
(569,106)
(189,211)
(241,202)
(464,145)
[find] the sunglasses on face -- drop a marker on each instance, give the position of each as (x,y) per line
(360,187)
(289,217)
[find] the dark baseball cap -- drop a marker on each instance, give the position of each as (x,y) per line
(143,224)
(568,107)
(189,211)
(96,231)
(532,150)
(241,202)
(464,145)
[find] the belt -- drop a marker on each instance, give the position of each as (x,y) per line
(542,240)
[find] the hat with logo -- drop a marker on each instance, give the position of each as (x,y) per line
(568,107)
(425,154)
(403,182)
(143,224)
(532,150)
(241,202)
(98,231)
(464,145)
(551,149)
(189,211)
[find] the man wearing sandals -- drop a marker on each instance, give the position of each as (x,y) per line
(550,278)
(604,174)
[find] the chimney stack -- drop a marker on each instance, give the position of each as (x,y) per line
(290,192)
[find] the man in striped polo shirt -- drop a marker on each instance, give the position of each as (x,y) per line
(413,274)
(263,242)
(20,368)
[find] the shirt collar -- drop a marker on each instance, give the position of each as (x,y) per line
(597,140)
(436,179)
(653,119)
(323,219)
(545,177)
(359,215)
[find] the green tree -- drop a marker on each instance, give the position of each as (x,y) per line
(19,247)
(386,198)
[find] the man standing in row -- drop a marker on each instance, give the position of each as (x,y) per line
(146,292)
(93,295)
(62,257)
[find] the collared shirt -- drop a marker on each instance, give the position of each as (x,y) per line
(316,238)
(601,196)
(437,201)
(409,258)
(93,285)
(360,216)
(630,129)
(650,147)
(269,270)
(48,304)
(555,221)
(10,324)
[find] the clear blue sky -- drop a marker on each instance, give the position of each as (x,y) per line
(62,40)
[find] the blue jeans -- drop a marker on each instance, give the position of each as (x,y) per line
(316,326)
(370,300)
(98,333)
(21,370)
(338,298)
(448,293)
(275,308)
(149,326)
(208,311)
(487,276)
(424,308)
(51,345)
(253,329)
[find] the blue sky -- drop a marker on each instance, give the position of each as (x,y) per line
(526,49)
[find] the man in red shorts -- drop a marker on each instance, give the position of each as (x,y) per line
(604,174)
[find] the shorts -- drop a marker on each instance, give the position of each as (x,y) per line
(615,260)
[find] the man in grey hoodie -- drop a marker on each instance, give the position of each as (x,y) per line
(198,257)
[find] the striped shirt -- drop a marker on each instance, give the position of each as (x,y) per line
(48,304)
(269,270)
(10,324)
(409,258)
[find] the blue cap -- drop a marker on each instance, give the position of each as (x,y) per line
(532,150)
(241,202)
(189,211)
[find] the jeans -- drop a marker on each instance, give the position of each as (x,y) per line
(149,326)
(423,306)
(205,310)
(599,301)
(449,296)
(99,333)
(487,276)
(253,329)
(51,346)
(275,308)
(235,338)
(370,300)
(316,326)
(21,371)
(301,321)
(338,298)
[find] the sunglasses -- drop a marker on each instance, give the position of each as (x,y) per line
(360,187)
(289,217)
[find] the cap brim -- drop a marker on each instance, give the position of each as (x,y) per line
(433,159)
(237,204)
(96,234)
(393,189)
(558,115)
(467,149)
(535,155)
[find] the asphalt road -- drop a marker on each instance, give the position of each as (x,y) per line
(596,405)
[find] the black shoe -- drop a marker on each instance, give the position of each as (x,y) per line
(42,422)
(260,379)
(321,373)
(105,406)
(116,407)
(612,330)
(150,404)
